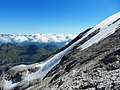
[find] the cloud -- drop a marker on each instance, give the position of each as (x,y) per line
(39,38)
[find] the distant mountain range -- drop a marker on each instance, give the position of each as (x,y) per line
(37,39)
(29,49)
(12,55)
(91,61)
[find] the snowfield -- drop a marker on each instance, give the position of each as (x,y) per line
(106,29)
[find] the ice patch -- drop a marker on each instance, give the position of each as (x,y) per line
(9,84)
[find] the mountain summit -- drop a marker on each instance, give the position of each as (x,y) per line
(91,61)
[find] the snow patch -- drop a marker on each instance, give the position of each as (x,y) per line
(49,64)
(105,30)
(9,85)
(108,21)
(45,67)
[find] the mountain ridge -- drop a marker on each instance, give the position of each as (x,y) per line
(85,64)
(12,55)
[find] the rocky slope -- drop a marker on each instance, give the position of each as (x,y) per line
(90,62)
(95,68)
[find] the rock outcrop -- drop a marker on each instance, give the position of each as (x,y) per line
(82,67)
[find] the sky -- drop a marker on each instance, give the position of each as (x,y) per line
(53,16)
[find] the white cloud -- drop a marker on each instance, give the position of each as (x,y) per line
(20,39)
(40,38)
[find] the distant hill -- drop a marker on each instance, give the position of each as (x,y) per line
(11,55)
(91,61)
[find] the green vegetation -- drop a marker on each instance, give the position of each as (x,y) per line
(11,55)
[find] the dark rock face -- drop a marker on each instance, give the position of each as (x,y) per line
(1,72)
(112,60)
(94,68)
(70,65)
(74,40)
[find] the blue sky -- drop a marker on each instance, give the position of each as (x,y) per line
(53,16)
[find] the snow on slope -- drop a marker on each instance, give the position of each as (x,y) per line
(9,85)
(39,38)
(105,30)
(108,21)
(48,65)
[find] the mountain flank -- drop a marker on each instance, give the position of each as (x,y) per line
(91,61)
